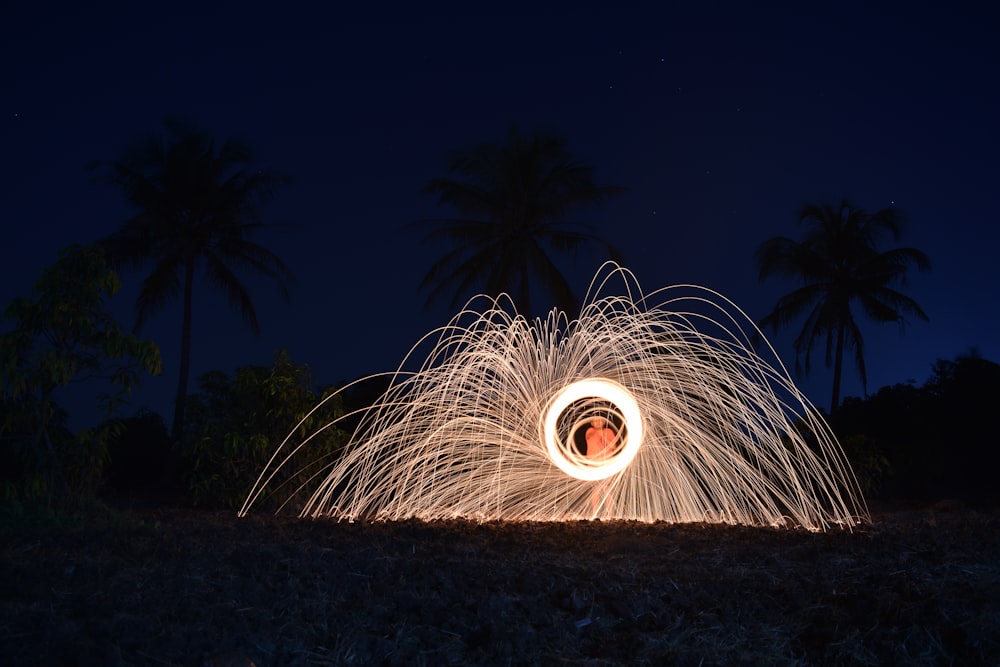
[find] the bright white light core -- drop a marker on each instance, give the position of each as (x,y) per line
(563,453)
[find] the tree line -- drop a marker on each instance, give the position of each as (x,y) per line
(198,205)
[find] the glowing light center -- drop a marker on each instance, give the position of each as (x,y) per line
(563,453)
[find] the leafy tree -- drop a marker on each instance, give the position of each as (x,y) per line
(839,265)
(65,334)
(197,205)
(964,393)
(237,422)
(938,440)
(887,437)
(31,468)
(513,200)
(868,461)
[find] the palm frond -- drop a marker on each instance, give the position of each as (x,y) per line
(161,286)
(838,262)
(512,199)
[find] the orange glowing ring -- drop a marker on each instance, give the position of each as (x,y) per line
(561,454)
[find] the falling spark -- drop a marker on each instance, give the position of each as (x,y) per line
(491,425)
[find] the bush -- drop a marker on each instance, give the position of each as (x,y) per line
(236,423)
(938,440)
(869,463)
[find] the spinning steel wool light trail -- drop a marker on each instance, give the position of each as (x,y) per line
(493,424)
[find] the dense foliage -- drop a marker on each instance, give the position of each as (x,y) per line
(926,443)
(63,334)
(236,422)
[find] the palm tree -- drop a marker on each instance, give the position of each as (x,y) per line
(197,205)
(839,265)
(512,201)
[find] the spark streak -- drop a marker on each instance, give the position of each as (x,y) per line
(489,425)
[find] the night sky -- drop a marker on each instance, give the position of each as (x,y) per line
(721,121)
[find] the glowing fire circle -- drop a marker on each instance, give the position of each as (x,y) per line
(558,441)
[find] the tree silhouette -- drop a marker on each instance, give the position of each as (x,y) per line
(839,265)
(63,334)
(197,204)
(512,200)
(938,440)
(236,419)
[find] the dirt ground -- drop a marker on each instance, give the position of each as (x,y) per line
(182,587)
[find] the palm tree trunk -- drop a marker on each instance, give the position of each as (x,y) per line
(177,429)
(838,366)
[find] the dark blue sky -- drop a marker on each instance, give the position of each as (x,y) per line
(721,121)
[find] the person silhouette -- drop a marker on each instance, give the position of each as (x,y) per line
(600,437)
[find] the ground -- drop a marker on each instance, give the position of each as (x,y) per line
(183,587)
